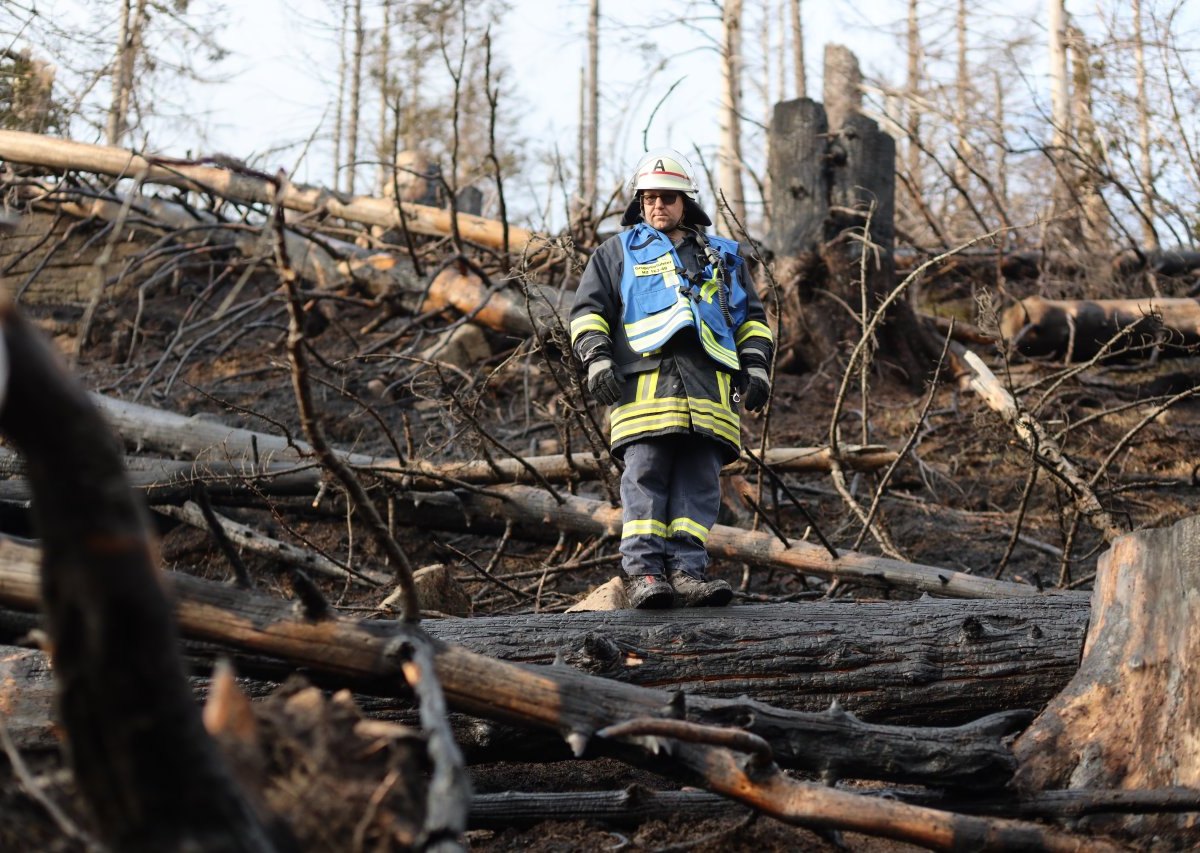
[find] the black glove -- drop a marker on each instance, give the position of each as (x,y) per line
(602,381)
(758,388)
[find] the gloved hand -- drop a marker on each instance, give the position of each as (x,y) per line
(758,388)
(602,381)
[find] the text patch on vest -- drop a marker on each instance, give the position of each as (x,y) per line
(664,266)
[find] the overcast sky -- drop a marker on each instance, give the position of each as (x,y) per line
(279,90)
(282,90)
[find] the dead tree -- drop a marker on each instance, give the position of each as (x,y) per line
(244,185)
(927,661)
(833,179)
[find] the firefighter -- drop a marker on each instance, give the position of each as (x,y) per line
(673,336)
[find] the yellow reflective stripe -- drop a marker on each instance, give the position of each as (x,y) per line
(650,406)
(646,384)
(637,426)
(709,290)
(643,527)
(687,525)
(724,355)
(715,417)
(721,428)
(753,329)
(723,382)
(588,323)
(711,408)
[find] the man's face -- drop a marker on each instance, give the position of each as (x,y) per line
(663,209)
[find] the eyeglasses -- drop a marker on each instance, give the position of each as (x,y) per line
(667,198)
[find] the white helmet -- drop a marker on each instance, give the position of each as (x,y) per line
(664,169)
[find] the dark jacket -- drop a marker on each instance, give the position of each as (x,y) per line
(678,387)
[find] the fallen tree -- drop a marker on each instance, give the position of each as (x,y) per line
(245,185)
(1080,330)
(530,508)
(566,700)
(903,662)
(205,440)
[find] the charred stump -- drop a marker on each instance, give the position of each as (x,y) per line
(833,197)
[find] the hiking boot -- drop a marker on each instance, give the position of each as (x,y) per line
(649,592)
(694,592)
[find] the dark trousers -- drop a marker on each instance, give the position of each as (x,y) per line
(670,495)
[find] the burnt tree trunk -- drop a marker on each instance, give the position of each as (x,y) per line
(833,235)
(1129,717)
(141,757)
(568,699)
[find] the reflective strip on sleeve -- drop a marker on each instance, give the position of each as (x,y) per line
(588,323)
(753,329)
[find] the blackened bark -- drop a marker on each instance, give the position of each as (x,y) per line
(139,750)
(834,202)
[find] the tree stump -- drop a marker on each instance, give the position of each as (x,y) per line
(1130,718)
(832,208)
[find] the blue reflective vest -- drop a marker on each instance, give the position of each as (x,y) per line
(659,301)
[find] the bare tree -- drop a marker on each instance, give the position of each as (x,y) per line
(729,160)
(340,100)
(913,93)
(1060,116)
(129,48)
(962,93)
(1146,164)
(357,52)
(1088,175)
(386,145)
(798,49)
(591,163)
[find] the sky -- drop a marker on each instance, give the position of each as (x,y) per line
(274,93)
(280,86)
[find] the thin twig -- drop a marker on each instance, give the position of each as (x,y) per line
(315,431)
(31,787)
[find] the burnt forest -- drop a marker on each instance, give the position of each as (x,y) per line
(309,527)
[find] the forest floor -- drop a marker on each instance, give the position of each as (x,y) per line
(962,498)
